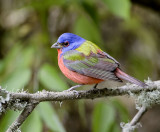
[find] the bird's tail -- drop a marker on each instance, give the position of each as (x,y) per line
(120,74)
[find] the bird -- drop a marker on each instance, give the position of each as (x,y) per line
(84,63)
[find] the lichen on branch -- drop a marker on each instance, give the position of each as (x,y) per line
(144,98)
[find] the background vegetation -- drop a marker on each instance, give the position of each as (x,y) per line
(28,28)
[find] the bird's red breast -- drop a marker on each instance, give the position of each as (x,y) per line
(74,76)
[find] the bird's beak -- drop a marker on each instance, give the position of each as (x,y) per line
(56,45)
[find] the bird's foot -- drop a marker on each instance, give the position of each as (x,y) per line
(74,87)
(95,87)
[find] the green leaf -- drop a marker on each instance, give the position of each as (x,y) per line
(120,8)
(50,117)
(33,123)
(81,110)
(26,58)
(49,77)
(91,9)
(123,112)
(103,117)
(87,29)
(42,4)
(8,118)
(12,58)
(1,66)
(17,80)
(116,128)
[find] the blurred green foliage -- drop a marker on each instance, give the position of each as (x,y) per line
(49,77)
(27,31)
(104,116)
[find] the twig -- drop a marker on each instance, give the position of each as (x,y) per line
(22,117)
(138,116)
(129,127)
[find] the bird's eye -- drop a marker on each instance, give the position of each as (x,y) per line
(65,44)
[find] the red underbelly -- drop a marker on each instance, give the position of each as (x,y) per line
(76,77)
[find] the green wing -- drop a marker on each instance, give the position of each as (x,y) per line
(97,65)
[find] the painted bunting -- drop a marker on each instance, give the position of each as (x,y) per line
(85,63)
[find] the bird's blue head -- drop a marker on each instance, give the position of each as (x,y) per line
(68,41)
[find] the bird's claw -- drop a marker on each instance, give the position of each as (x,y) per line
(72,90)
(74,87)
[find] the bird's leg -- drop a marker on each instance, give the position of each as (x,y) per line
(74,87)
(95,86)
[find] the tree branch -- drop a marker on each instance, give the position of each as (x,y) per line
(138,116)
(90,94)
(129,127)
(22,117)
(145,98)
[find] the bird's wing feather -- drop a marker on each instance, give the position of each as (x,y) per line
(96,63)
